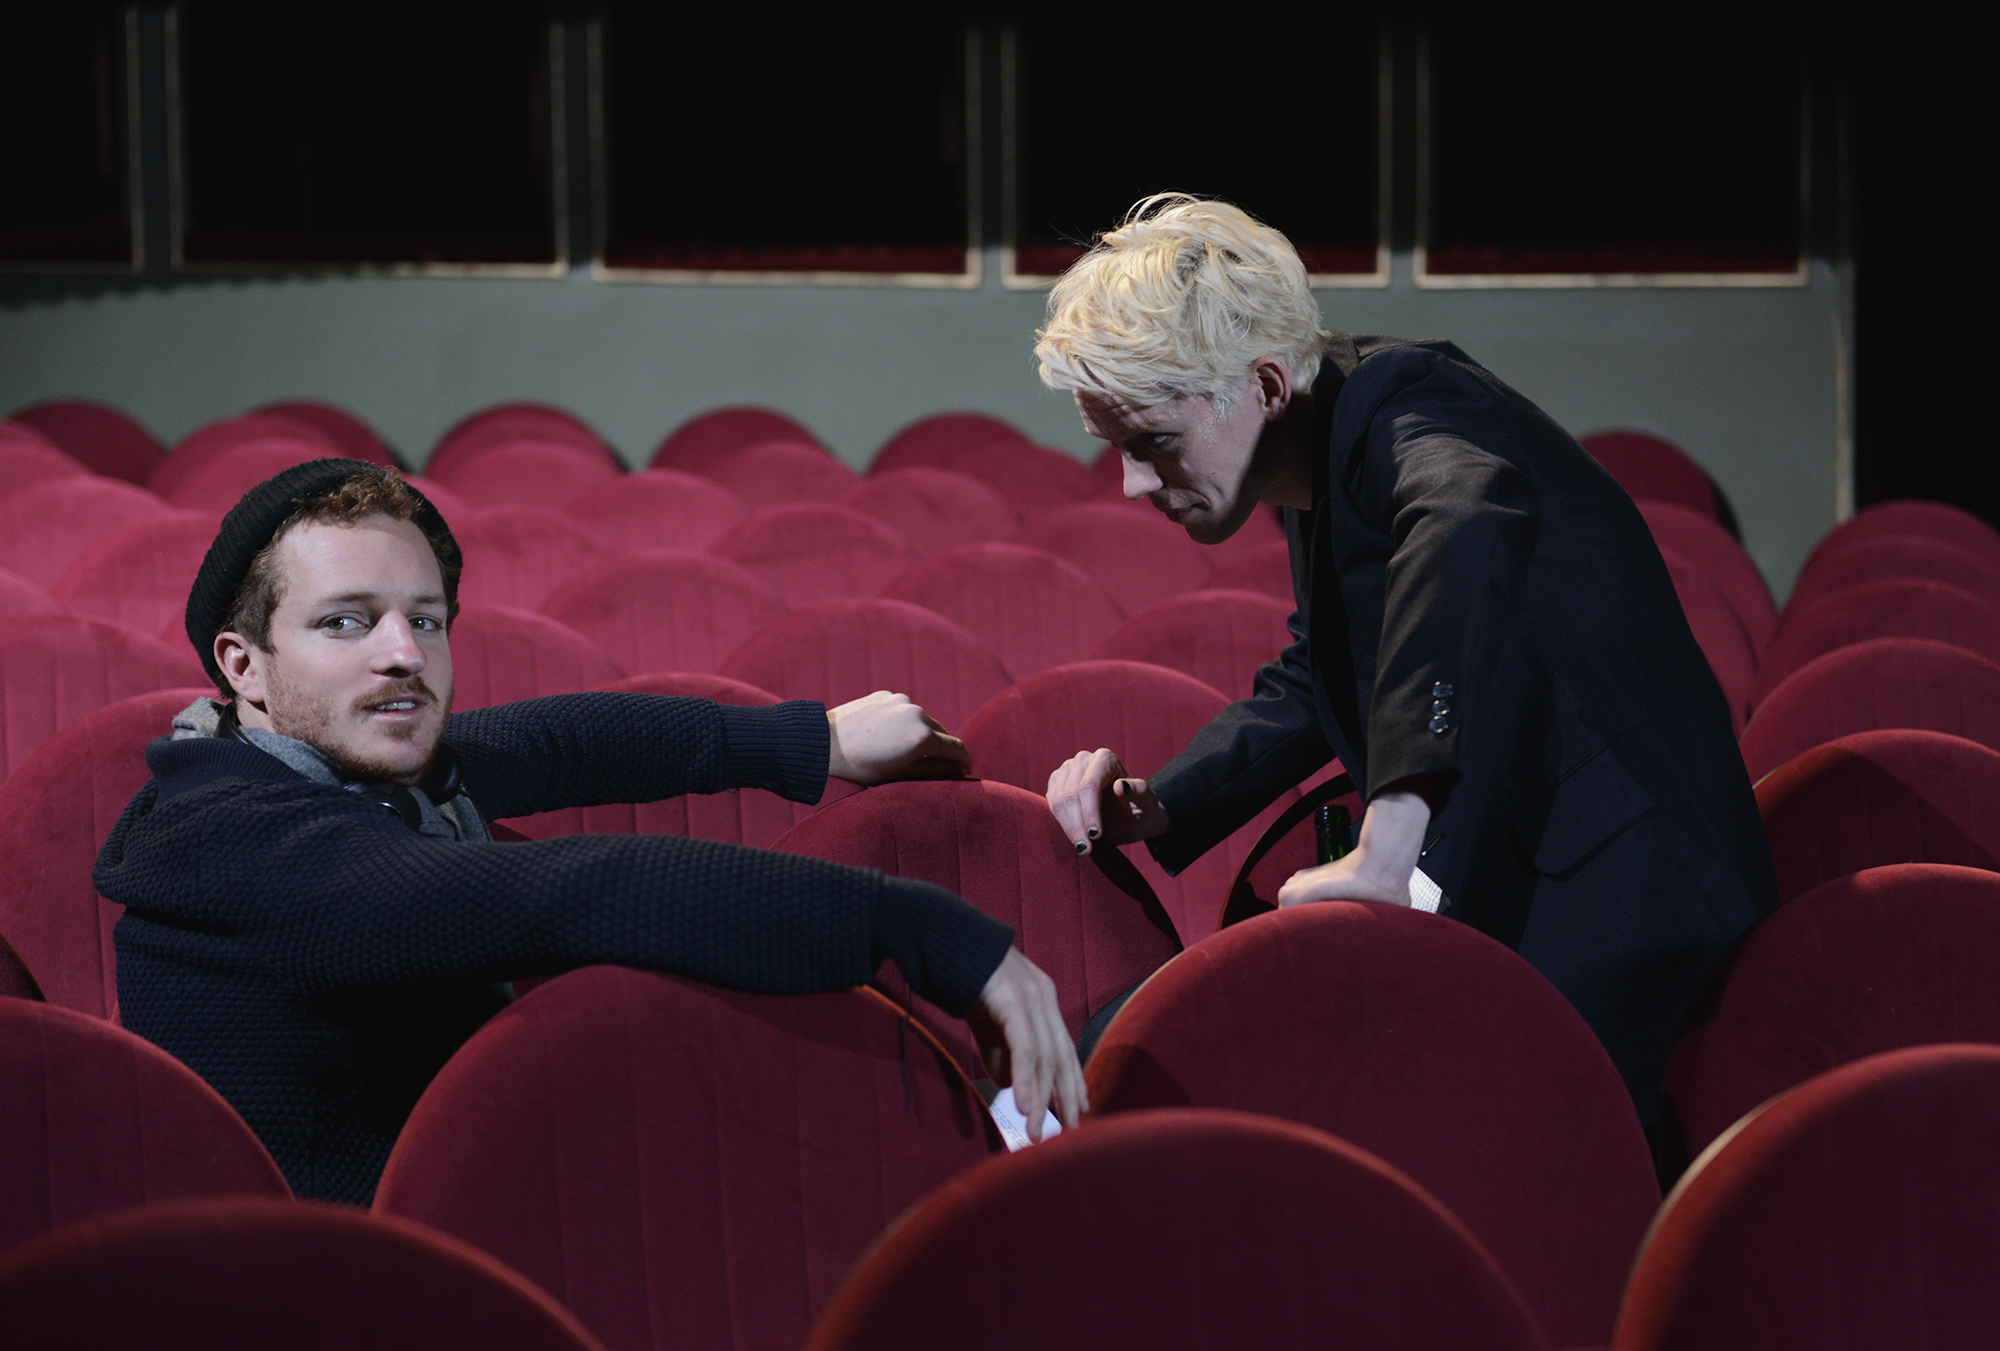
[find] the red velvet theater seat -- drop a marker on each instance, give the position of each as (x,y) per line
(1889,957)
(221,479)
(684,1166)
(44,528)
(659,509)
(357,439)
(934,510)
(1428,1043)
(814,552)
(1033,480)
(16,981)
(97,1119)
(1267,569)
(1032,609)
(1912,518)
(1875,798)
(1713,553)
(845,649)
(932,442)
(1092,924)
(542,475)
(27,458)
(139,575)
(517,556)
(1886,682)
(449,504)
(1890,557)
(19,596)
(101,438)
(1181,1229)
(1138,556)
(705,438)
(1220,638)
(501,654)
(1860,1209)
(1145,713)
(263,1275)
(504,423)
(777,473)
(1895,607)
(1651,468)
(56,811)
(56,668)
(202,445)
(1727,646)
(666,611)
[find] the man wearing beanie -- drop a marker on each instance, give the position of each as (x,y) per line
(316,916)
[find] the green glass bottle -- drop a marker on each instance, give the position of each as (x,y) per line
(1332,829)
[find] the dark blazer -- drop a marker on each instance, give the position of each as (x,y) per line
(1479,601)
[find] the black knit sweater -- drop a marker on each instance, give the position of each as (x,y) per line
(317,961)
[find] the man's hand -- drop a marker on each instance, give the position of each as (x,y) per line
(884,736)
(1392,838)
(1094,799)
(1022,1042)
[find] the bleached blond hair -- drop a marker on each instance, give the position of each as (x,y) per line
(1181,299)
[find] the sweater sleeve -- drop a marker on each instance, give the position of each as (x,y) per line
(581,750)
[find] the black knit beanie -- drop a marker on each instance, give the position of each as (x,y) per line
(251,524)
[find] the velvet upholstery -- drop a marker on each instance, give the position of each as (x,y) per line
(1861,1209)
(1218,637)
(776,473)
(930,442)
(1180,1229)
(44,528)
(244,1274)
(1033,480)
(19,596)
(55,813)
(684,1166)
(1091,923)
(1032,609)
(1651,468)
(1894,607)
(1874,798)
(659,509)
(1719,632)
(1888,957)
(139,574)
(357,439)
(28,458)
(98,1119)
(1147,714)
(1138,556)
(16,981)
(198,447)
(221,479)
(1886,682)
(934,510)
(545,475)
(103,439)
(707,437)
(666,611)
(449,504)
(516,555)
(1893,556)
(1267,569)
(844,649)
(1913,517)
(476,433)
(501,654)
(813,552)
(1710,549)
(1430,1044)
(56,668)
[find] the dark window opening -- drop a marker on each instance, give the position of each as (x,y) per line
(63,154)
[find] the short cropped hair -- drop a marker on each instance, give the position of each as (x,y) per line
(385,494)
(1181,299)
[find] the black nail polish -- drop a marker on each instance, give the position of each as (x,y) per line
(1094,832)
(1082,848)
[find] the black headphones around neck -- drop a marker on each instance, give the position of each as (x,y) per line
(441,782)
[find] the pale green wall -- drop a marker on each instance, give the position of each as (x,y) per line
(1745,380)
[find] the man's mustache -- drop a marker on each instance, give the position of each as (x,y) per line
(412,688)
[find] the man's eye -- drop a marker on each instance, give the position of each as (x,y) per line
(427,624)
(340,624)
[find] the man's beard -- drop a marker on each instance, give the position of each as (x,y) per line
(312,725)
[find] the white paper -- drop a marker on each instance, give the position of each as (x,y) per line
(1013,1123)
(1424,893)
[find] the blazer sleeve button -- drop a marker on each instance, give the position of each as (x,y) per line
(1440,724)
(1441,690)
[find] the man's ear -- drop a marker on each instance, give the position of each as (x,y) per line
(242,665)
(1274,386)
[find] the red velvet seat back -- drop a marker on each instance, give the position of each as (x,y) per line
(1430,1044)
(44,528)
(1731,655)
(1092,924)
(1889,957)
(1145,713)
(1895,607)
(98,1119)
(1267,568)
(220,480)
(1938,522)
(1874,798)
(845,649)
(684,1166)
(19,596)
(1138,556)
(659,509)
(1710,550)
(1651,468)
(1860,1209)
(934,510)
(517,556)
(260,1275)
(101,438)
(666,611)
(1889,557)
(775,473)
(56,811)
(1032,480)
(814,552)
(139,575)
(1220,638)
(16,981)
(1887,682)
(1181,1229)
(503,423)
(501,654)
(449,504)
(27,458)
(542,475)
(56,668)
(1032,609)
(203,444)
(931,442)
(357,439)
(707,437)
